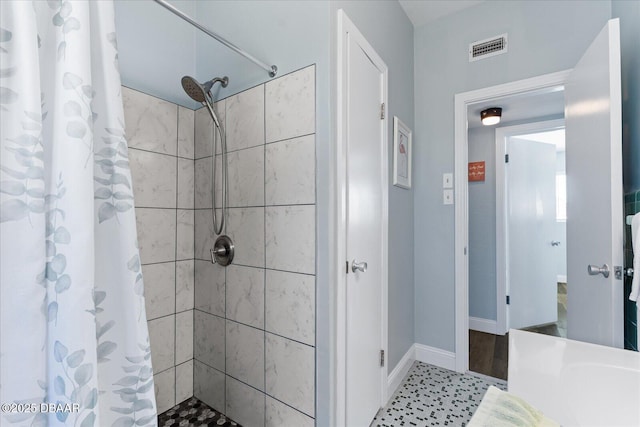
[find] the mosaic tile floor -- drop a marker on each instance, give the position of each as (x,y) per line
(432,396)
(194,413)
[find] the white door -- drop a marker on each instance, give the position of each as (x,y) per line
(531,213)
(594,192)
(365,222)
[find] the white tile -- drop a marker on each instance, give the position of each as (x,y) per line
(203,234)
(280,415)
(186,183)
(159,289)
(290,172)
(209,339)
(246,177)
(184,381)
(245,354)
(164,384)
(203,183)
(208,385)
(246,228)
(290,305)
(204,129)
(289,371)
(290,238)
(245,295)
(210,287)
(184,285)
(162,334)
(156,234)
(151,123)
(154,179)
(245,405)
(185,244)
(186,139)
(184,336)
(245,119)
(290,105)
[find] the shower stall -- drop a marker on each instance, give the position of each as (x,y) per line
(240,338)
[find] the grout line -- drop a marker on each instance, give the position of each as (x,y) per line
(193,262)
(154,152)
(175,266)
(316,251)
(157,208)
(264,230)
(289,205)
(292,407)
(291,138)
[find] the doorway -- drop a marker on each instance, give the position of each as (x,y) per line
(594,164)
(516,244)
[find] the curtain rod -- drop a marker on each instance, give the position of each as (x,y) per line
(271,69)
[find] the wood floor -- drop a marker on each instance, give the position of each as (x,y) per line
(489,354)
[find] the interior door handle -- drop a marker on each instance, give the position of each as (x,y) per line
(555,243)
(594,270)
(358,266)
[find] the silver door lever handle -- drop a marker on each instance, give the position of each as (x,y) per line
(361,266)
(555,243)
(594,270)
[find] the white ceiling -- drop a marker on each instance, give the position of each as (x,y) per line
(423,11)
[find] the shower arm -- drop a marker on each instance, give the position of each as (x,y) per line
(271,69)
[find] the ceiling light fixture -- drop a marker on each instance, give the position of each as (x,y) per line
(491,116)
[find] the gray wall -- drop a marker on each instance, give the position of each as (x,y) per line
(543,37)
(629,13)
(155,48)
(482,226)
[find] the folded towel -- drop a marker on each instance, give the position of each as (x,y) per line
(635,239)
(501,409)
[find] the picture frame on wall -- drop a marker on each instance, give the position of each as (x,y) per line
(402,136)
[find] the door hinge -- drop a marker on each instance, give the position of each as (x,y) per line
(506,158)
(381,357)
(508,300)
(382,111)
(347,266)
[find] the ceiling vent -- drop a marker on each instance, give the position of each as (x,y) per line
(489,47)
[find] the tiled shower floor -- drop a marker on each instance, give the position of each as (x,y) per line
(194,412)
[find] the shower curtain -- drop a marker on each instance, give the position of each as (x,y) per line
(73,333)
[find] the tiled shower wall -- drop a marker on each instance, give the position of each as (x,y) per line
(631,207)
(161,156)
(255,319)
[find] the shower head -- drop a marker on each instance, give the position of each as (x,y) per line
(198,91)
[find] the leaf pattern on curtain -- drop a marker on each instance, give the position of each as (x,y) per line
(72,306)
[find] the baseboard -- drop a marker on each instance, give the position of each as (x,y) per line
(435,356)
(483,325)
(397,375)
(562,279)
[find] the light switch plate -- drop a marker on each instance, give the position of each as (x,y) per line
(447,197)
(447,180)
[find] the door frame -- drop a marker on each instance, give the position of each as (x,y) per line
(502,219)
(347,29)
(461,221)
